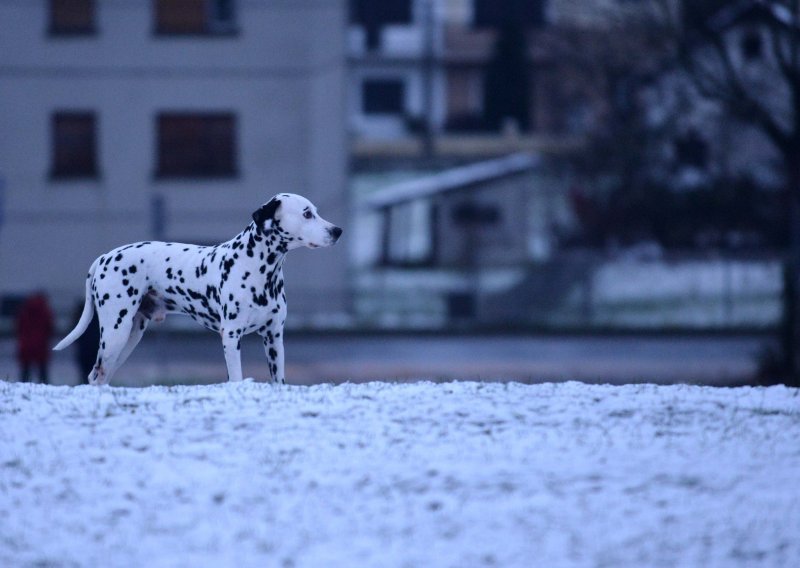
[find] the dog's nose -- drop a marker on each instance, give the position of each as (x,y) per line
(336,232)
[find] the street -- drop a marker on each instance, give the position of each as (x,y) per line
(166,358)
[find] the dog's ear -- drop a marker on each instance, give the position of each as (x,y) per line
(266,213)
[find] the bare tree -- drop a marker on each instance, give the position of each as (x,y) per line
(711,39)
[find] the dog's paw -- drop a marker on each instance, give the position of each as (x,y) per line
(248,380)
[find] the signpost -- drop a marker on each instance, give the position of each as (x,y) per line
(2,200)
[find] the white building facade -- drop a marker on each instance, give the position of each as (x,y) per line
(397,81)
(138,120)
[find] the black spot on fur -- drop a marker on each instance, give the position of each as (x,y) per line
(265,213)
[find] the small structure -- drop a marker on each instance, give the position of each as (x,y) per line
(473,215)
(449,239)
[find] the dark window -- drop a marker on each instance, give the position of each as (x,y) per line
(196,145)
(72,17)
(691,150)
(74,144)
(471,213)
(375,14)
(501,13)
(384,96)
(195,17)
(751,45)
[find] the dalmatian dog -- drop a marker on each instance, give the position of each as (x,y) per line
(233,288)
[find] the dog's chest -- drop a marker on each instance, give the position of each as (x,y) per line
(252,297)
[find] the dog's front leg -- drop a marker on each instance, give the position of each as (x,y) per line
(231,344)
(273,347)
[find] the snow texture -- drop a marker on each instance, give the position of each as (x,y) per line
(418,474)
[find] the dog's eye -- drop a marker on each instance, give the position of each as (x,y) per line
(308,215)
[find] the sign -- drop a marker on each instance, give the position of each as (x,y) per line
(470,213)
(2,200)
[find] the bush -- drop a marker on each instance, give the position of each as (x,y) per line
(729,214)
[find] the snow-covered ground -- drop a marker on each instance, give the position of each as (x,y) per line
(416,474)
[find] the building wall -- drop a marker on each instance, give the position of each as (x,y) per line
(282,75)
(400,56)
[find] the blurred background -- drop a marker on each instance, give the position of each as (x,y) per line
(604,190)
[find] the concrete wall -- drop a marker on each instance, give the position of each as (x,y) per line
(282,74)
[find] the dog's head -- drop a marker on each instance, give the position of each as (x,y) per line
(296,221)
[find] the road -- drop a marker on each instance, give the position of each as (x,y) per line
(164,358)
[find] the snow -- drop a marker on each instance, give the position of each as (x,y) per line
(411,474)
(449,180)
(688,293)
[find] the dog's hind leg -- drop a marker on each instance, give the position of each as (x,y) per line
(97,376)
(138,328)
(114,336)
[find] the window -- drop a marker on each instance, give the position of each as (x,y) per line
(72,17)
(691,150)
(383,96)
(499,13)
(195,17)
(196,145)
(751,45)
(74,145)
(375,14)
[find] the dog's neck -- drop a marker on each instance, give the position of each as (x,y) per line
(270,246)
(274,239)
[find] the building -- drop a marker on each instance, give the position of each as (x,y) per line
(392,47)
(169,120)
(436,249)
(418,64)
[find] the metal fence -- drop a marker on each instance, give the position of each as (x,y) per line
(579,290)
(583,290)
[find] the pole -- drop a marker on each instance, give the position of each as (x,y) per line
(792,283)
(792,301)
(428,147)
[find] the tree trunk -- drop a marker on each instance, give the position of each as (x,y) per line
(791,324)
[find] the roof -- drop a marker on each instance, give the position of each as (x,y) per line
(451,180)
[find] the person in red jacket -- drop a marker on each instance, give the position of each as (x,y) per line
(34,330)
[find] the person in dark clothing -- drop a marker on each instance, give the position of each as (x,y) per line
(87,344)
(34,330)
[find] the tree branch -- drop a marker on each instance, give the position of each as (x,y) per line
(728,88)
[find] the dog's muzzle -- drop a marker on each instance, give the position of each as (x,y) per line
(335,233)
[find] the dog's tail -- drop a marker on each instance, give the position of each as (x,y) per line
(86,316)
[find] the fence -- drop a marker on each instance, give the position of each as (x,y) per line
(579,290)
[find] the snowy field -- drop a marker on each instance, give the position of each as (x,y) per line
(415,474)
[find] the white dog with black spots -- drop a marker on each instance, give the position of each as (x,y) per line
(233,288)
